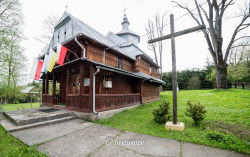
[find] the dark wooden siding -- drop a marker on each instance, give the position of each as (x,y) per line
(120,84)
(111,59)
(150,92)
(143,66)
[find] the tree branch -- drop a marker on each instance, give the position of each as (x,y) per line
(240,45)
(226,6)
(236,31)
(210,46)
(241,38)
(189,11)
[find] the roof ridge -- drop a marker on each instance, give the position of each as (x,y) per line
(109,40)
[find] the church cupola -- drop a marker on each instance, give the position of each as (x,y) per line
(125,23)
(127,34)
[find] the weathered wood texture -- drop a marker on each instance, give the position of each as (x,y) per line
(174,73)
(78,103)
(176,34)
(120,84)
(63,81)
(150,92)
(113,101)
(142,65)
(107,57)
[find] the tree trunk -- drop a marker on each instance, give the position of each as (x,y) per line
(221,76)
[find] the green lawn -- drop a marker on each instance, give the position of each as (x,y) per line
(11,107)
(12,147)
(227,119)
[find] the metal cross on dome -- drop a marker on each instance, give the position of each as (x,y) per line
(124,10)
(66,7)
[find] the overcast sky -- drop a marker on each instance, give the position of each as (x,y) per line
(104,16)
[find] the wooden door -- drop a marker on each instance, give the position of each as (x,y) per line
(75,84)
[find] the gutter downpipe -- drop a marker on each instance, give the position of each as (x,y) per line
(84,50)
(97,71)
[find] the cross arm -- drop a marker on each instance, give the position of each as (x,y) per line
(176,34)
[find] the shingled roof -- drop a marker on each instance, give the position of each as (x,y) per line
(73,26)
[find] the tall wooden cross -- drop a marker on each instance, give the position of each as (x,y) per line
(172,36)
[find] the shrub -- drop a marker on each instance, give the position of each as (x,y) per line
(196,112)
(161,115)
(194,83)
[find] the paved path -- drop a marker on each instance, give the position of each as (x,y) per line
(77,138)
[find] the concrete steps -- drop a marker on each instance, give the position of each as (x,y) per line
(10,127)
(30,118)
(41,119)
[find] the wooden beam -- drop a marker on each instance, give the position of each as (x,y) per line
(67,85)
(174,74)
(43,89)
(81,88)
(176,34)
(47,84)
(54,89)
(91,72)
(140,84)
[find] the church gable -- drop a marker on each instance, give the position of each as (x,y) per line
(69,27)
(65,29)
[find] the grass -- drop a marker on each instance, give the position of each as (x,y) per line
(11,107)
(12,147)
(227,122)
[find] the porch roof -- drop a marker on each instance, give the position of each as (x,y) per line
(128,73)
(139,75)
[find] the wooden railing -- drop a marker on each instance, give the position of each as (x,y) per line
(103,101)
(114,101)
(74,101)
(47,99)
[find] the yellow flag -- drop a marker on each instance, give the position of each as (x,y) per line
(52,61)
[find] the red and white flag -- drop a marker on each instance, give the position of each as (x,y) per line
(36,69)
(61,53)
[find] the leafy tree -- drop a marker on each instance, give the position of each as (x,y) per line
(204,77)
(167,78)
(194,83)
(12,59)
(239,67)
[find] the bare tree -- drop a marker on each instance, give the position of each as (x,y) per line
(154,29)
(213,17)
(49,24)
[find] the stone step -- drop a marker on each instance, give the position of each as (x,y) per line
(48,122)
(36,117)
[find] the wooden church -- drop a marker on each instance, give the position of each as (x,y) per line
(99,73)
